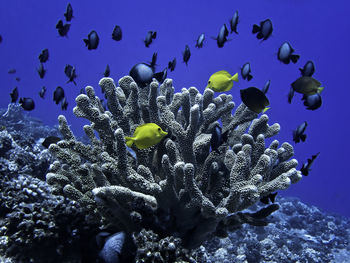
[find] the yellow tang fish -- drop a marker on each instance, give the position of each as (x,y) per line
(146,135)
(222,81)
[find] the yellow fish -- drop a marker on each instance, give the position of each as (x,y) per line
(146,135)
(221,81)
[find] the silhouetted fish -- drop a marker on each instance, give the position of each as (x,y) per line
(62,28)
(58,94)
(308,70)
(107,71)
(11,71)
(312,102)
(27,103)
(172,64)
(264,30)
(50,140)
(290,95)
(222,36)
(69,12)
(298,133)
(42,92)
(117,33)
(92,41)
(44,55)
(64,104)
(266,87)
(245,71)
(154,60)
(41,71)
(254,99)
(14,95)
(305,169)
(234,22)
(70,73)
(200,40)
(186,54)
(149,37)
(286,54)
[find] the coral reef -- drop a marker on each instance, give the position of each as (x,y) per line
(178,187)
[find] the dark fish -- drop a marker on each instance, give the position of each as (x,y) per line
(62,28)
(285,54)
(307,85)
(27,104)
(117,33)
(70,73)
(305,169)
(308,70)
(50,140)
(92,41)
(312,102)
(149,37)
(18,78)
(11,71)
(217,138)
(264,30)
(41,71)
(222,36)
(254,99)
(69,12)
(290,95)
(266,87)
(107,71)
(245,71)
(298,133)
(161,76)
(154,60)
(58,95)
(64,104)
(44,55)
(234,22)
(200,40)
(268,198)
(14,95)
(172,64)
(142,74)
(42,92)
(186,54)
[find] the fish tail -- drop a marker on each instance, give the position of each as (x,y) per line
(129,141)
(320,89)
(235,77)
(266,109)
(256,29)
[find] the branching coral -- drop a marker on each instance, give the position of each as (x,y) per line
(178,187)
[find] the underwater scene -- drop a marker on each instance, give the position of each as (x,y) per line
(174,131)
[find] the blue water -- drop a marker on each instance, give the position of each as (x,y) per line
(317,30)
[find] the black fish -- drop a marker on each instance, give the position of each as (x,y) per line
(217,138)
(50,140)
(308,70)
(154,60)
(14,95)
(298,133)
(64,104)
(254,99)
(142,74)
(234,22)
(149,37)
(92,41)
(305,169)
(58,94)
(222,36)
(44,55)
(285,54)
(161,76)
(69,12)
(70,73)
(18,78)
(42,92)
(264,30)
(27,104)
(172,64)
(200,40)
(186,54)
(11,71)
(266,87)
(117,33)
(245,71)
(312,102)
(62,28)
(107,71)
(41,71)
(268,198)
(290,95)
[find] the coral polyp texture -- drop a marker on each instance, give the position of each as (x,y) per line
(178,187)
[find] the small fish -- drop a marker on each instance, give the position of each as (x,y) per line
(50,140)
(14,95)
(161,76)
(222,81)
(70,73)
(266,199)
(245,71)
(308,70)
(200,40)
(307,86)
(142,74)
(234,22)
(290,95)
(41,71)
(312,102)
(186,54)
(62,28)
(298,133)
(217,138)
(92,41)
(117,33)
(255,99)
(42,92)
(285,54)
(266,87)
(107,71)
(18,78)
(305,169)
(264,30)
(222,36)
(64,104)
(58,95)
(154,60)
(172,64)
(44,55)
(69,12)
(27,103)
(149,37)
(11,71)
(146,135)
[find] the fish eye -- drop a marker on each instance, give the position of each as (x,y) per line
(208,81)
(159,129)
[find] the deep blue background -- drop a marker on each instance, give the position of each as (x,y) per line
(317,30)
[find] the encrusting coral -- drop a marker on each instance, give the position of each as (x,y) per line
(178,187)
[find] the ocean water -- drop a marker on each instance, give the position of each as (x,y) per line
(317,30)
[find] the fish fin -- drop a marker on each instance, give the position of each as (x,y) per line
(129,141)
(259,35)
(303,137)
(86,41)
(235,77)
(249,77)
(266,108)
(320,89)
(301,71)
(294,58)
(158,76)
(256,28)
